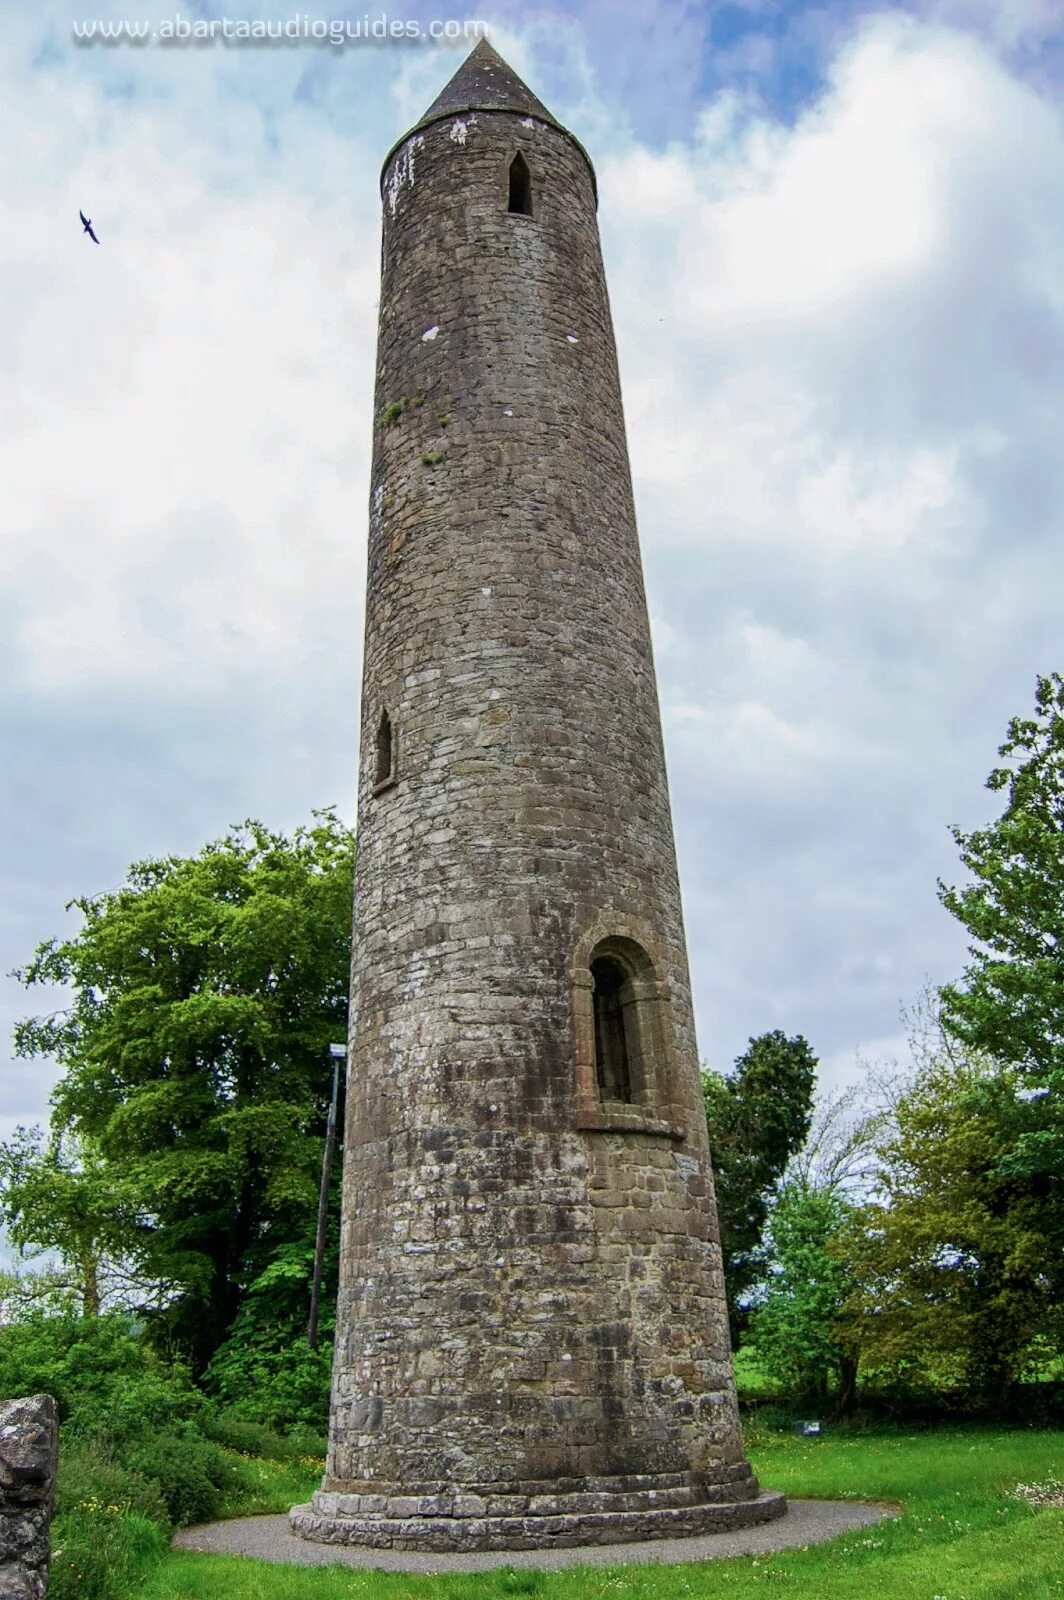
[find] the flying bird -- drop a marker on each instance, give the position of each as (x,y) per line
(88,227)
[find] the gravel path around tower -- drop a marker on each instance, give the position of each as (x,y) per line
(269,1539)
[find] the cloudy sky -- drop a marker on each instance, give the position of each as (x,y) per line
(834,238)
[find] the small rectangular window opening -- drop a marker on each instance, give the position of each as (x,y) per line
(520,186)
(384,767)
(613,1066)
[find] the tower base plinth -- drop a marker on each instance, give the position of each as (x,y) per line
(536,1516)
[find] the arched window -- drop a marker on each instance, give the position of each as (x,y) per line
(384,770)
(622,1033)
(520,186)
(612,996)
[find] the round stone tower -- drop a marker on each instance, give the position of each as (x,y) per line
(531,1343)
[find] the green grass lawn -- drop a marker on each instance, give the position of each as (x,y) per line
(960,1535)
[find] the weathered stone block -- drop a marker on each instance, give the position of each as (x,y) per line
(29,1457)
(18,1584)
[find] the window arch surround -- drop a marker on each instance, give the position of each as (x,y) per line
(623,1035)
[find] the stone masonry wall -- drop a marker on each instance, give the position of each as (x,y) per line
(29,1456)
(531,1318)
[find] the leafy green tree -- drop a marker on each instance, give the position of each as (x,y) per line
(799,1331)
(59,1198)
(952,1266)
(265,1371)
(758,1118)
(206,991)
(1010,1003)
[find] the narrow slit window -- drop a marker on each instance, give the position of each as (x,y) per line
(385,750)
(613,1067)
(520,186)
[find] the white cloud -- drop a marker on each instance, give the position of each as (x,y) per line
(816,320)
(841,344)
(1013,24)
(192,395)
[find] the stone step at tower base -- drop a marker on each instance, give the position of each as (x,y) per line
(532,1516)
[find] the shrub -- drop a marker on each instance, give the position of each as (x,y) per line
(306,1442)
(266,1375)
(191,1472)
(256,1439)
(104,1376)
(89,1475)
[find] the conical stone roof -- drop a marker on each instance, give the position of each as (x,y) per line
(485,82)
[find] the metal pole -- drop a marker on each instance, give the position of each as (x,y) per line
(338,1053)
